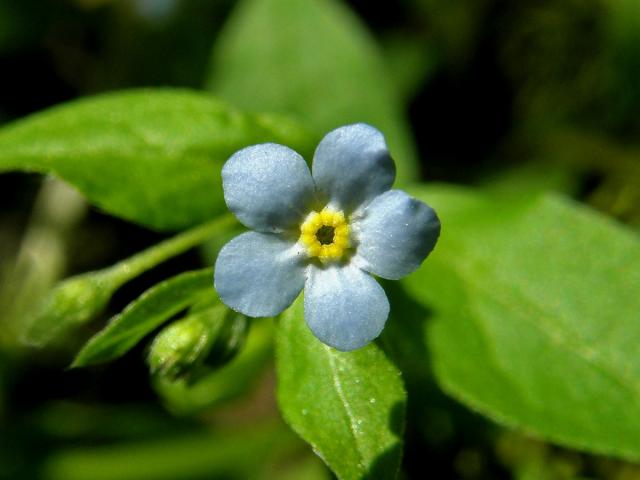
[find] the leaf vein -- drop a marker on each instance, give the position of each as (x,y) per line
(353,428)
(554,335)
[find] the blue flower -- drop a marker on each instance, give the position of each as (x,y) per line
(326,232)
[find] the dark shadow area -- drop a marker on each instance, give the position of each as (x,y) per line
(387,463)
(458,441)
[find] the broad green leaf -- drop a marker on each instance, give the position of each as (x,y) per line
(149,156)
(348,405)
(531,178)
(144,315)
(536,316)
(314,59)
(411,59)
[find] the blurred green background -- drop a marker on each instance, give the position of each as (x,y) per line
(517,96)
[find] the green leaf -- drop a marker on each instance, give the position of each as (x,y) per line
(348,405)
(144,315)
(314,59)
(150,156)
(412,61)
(536,319)
(531,178)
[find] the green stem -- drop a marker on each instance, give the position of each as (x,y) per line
(131,267)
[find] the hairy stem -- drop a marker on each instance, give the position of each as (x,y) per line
(131,267)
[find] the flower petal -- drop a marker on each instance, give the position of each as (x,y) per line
(259,274)
(268,187)
(343,306)
(352,165)
(395,234)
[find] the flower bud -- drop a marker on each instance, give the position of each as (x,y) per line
(206,337)
(71,303)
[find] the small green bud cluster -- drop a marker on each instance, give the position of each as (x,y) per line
(70,304)
(207,337)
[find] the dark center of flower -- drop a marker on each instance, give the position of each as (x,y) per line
(325,235)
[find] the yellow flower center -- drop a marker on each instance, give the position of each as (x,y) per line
(325,234)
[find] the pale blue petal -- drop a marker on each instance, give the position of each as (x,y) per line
(352,165)
(268,187)
(343,306)
(394,234)
(259,274)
